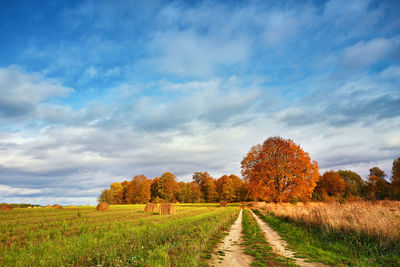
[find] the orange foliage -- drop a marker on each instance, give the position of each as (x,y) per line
(332,184)
(138,190)
(279,170)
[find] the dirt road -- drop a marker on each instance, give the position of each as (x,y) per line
(279,246)
(230,252)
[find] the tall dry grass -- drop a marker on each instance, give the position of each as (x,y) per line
(380,219)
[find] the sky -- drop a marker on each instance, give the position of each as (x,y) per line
(95,92)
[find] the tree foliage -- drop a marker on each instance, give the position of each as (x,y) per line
(396,173)
(207,185)
(331,184)
(355,185)
(279,170)
(378,187)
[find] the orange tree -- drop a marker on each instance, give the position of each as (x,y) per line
(279,170)
(331,184)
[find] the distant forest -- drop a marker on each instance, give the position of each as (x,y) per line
(276,171)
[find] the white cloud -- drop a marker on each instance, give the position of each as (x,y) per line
(21,92)
(364,54)
(8,190)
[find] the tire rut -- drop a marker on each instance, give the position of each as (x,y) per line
(279,246)
(230,253)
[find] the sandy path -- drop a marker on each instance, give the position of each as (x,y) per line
(279,246)
(233,254)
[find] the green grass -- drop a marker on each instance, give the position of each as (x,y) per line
(257,246)
(124,235)
(334,247)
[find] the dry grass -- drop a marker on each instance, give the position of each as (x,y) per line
(381,219)
(151,207)
(167,208)
(102,206)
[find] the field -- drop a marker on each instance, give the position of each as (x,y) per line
(359,233)
(352,234)
(124,235)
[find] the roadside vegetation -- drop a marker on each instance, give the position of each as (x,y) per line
(124,235)
(360,233)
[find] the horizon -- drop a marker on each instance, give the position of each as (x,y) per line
(96,92)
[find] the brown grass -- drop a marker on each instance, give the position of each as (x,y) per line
(223,203)
(6,207)
(167,208)
(381,219)
(103,206)
(151,207)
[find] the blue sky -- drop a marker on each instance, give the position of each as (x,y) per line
(93,92)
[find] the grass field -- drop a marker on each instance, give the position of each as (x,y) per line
(124,235)
(356,234)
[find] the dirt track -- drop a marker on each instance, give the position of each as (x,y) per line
(230,252)
(279,246)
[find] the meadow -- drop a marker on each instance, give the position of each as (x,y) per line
(357,233)
(124,235)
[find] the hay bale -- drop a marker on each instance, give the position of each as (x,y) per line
(167,208)
(223,203)
(102,206)
(151,207)
(57,206)
(300,204)
(6,207)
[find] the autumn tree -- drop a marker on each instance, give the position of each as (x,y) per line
(378,187)
(376,171)
(196,193)
(113,193)
(396,173)
(279,170)
(355,185)
(331,184)
(207,185)
(167,187)
(138,190)
(229,188)
(154,189)
(103,197)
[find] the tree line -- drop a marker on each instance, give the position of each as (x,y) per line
(277,170)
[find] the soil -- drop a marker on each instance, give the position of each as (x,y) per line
(279,246)
(230,253)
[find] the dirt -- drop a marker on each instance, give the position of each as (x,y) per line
(230,252)
(279,246)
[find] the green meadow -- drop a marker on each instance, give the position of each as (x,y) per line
(123,235)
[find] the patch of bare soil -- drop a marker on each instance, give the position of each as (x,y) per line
(279,246)
(230,253)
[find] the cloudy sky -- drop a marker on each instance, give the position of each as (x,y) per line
(93,92)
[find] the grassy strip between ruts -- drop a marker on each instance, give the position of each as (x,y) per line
(257,246)
(334,247)
(175,242)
